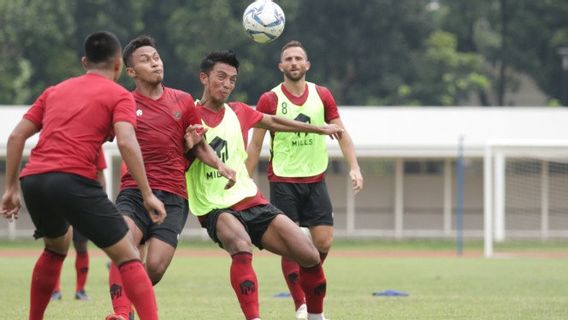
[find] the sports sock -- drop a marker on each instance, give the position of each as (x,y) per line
(291,271)
(139,290)
(245,285)
(82,269)
(316,316)
(44,278)
(313,283)
(120,302)
(57,284)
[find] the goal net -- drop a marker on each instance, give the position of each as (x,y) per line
(525,191)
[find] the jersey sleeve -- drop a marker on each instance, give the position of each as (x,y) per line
(36,111)
(330,107)
(267,103)
(124,109)
(248,117)
(191,115)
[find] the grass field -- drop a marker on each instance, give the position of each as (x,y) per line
(440,285)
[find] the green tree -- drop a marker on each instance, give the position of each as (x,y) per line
(15,70)
(47,37)
(445,77)
(362,50)
(37,50)
(513,36)
(373,52)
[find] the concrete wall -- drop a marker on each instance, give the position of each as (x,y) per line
(424,138)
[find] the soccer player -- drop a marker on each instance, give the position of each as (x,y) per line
(298,162)
(80,246)
(239,217)
(59,184)
(167,127)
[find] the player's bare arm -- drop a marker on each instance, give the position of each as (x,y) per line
(130,151)
(11,205)
(277,123)
(346,145)
(207,155)
(254,148)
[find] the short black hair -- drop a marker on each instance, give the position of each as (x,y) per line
(227,56)
(101,47)
(138,42)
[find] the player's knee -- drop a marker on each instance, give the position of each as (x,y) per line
(312,259)
(237,244)
(323,244)
(308,258)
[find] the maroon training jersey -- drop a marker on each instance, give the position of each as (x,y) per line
(160,131)
(267,104)
(75,118)
(248,118)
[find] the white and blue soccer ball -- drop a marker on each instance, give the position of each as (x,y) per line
(264,21)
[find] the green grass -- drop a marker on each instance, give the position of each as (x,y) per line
(197,287)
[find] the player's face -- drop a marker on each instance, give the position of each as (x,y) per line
(220,82)
(294,63)
(146,65)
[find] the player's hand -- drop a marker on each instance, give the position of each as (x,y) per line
(228,173)
(332,130)
(356,180)
(155,208)
(194,135)
(11,205)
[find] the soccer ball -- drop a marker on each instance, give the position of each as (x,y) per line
(263,21)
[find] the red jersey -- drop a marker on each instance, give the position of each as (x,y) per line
(248,118)
(75,118)
(268,103)
(101,161)
(160,132)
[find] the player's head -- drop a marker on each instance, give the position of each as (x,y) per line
(142,61)
(219,70)
(294,61)
(102,51)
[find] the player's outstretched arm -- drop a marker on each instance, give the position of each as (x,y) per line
(348,150)
(132,156)
(278,123)
(11,205)
(254,148)
(207,155)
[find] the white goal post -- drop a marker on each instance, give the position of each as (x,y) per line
(535,170)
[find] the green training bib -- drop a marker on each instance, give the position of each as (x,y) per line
(205,186)
(299,154)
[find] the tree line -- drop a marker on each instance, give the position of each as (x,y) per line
(368,52)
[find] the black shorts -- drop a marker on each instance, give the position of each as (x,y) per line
(255,220)
(56,200)
(130,203)
(305,203)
